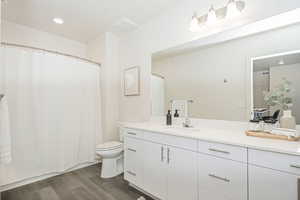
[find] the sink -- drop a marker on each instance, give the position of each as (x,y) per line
(180,128)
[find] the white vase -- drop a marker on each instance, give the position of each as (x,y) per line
(287,120)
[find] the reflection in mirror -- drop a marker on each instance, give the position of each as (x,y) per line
(276,86)
(217,77)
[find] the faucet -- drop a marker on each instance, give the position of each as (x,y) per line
(187,122)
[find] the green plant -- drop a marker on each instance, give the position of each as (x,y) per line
(280,96)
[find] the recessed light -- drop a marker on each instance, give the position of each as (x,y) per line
(58,20)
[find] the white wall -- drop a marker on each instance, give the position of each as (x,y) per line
(19,34)
(171,29)
(105,49)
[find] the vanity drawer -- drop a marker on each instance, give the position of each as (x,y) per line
(133,133)
(181,142)
(223,151)
(133,156)
(276,161)
(220,178)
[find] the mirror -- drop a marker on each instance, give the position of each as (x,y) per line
(276,85)
(215,81)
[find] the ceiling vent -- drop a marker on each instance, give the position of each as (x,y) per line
(123,25)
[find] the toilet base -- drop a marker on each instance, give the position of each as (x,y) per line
(112,167)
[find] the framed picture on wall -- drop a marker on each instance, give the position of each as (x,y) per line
(132,81)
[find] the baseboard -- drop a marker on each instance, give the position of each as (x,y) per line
(143,191)
(43,177)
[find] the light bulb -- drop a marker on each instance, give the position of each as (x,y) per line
(58,20)
(232,9)
(194,25)
(211,16)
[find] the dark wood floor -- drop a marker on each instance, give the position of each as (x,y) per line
(83,184)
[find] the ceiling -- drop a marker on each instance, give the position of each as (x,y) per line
(84,19)
(266,63)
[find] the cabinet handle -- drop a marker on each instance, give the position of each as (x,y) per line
(298,188)
(162,154)
(219,151)
(218,177)
(133,150)
(130,133)
(168,154)
(295,166)
(131,173)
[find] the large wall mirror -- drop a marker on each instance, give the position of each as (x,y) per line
(214,82)
(276,85)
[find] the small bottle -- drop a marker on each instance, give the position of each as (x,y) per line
(176,115)
(169,118)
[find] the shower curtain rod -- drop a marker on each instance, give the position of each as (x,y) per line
(50,51)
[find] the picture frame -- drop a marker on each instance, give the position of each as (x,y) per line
(132,81)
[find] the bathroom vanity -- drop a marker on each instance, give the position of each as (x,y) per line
(214,161)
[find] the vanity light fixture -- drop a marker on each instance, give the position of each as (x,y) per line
(234,8)
(211,16)
(194,25)
(231,10)
(58,20)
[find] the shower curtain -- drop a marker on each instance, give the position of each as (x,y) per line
(54,105)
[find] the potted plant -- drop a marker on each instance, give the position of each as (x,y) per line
(281,96)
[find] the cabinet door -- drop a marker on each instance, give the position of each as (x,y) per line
(271,184)
(182,174)
(133,156)
(221,179)
(155,176)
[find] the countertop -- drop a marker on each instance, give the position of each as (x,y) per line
(225,132)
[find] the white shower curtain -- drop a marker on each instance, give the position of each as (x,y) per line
(54,105)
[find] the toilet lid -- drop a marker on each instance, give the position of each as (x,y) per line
(109,145)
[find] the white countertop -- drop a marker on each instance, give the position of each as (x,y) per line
(225,132)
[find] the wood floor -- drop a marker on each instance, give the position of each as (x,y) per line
(83,184)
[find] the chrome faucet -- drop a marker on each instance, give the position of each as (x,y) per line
(187,122)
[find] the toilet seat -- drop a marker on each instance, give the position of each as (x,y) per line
(109,146)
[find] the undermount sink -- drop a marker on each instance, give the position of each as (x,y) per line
(181,128)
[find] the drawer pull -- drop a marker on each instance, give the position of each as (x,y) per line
(168,154)
(219,178)
(132,150)
(295,166)
(131,173)
(219,151)
(130,133)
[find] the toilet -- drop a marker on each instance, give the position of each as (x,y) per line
(112,158)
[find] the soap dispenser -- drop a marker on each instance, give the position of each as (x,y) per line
(169,118)
(176,115)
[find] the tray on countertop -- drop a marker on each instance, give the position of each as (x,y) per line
(271,136)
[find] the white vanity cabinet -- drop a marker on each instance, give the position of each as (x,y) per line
(221,179)
(273,176)
(155,177)
(169,167)
(175,168)
(182,174)
(266,183)
(222,171)
(133,152)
